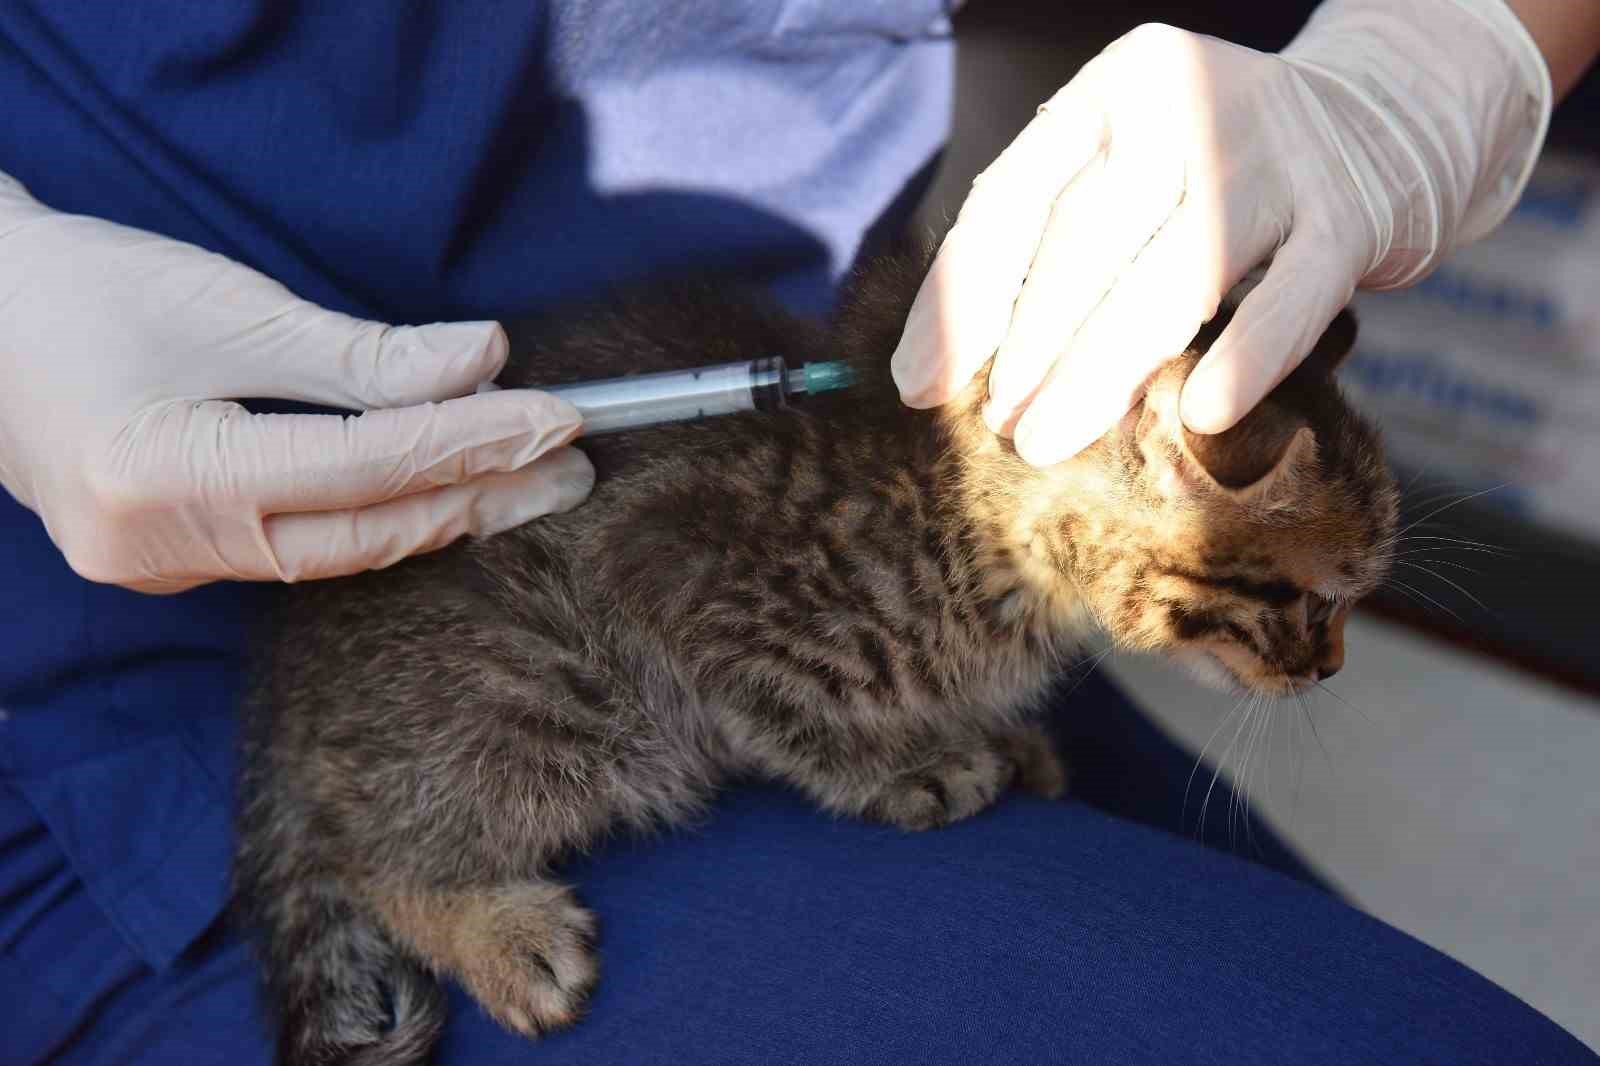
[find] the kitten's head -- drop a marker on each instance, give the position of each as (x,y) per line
(1241,553)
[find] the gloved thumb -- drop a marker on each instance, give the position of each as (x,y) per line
(1271,333)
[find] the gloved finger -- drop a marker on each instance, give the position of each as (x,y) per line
(962,310)
(299,351)
(221,456)
(1099,225)
(317,544)
(1273,330)
(307,546)
(1155,310)
(241,334)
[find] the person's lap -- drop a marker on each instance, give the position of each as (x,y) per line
(1037,931)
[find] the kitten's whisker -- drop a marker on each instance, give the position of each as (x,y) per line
(1261,756)
(1449,538)
(1447,581)
(1416,476)
(1448,533)
(1447,527)
(1263,759)
(1444,549)
(1297,763)
(1420,563)
(1403,590)
(1305,712)
(1237,776)
(1453,503)
(1465,541)
(1094,664)
(1205,804)
(1273,718)
(1411,546)
(1239,796)
(1452,544)
(1411,588)
(1346,702)
(1233,782)
(1221,724)
(1292,729)
(1440,491)
(1241,787)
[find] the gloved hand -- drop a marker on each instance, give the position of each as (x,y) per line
(120,351)
(1100,240)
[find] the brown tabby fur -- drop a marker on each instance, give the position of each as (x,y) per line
(863,600)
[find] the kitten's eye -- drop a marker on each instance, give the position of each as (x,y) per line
(1318,610)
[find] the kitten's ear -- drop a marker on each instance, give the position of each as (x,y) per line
(1330,351)
(1258,452)
(1332,348)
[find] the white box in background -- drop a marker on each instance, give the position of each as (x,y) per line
(1487,373)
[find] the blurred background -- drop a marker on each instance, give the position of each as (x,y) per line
(1452,787)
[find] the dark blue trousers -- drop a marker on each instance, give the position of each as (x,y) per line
(1036,932)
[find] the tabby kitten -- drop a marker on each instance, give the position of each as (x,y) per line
(865,601)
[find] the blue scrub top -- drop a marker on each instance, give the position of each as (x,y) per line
(413,162)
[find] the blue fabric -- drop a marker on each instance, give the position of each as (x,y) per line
(435,160)
(1036,932)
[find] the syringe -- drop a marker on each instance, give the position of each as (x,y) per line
(678,395)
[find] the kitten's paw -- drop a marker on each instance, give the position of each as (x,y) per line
(533,965)
(1040,768)
(956,786)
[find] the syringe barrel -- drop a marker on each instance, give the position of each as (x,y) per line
(677,395)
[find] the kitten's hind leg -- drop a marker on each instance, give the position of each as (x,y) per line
(881,767)
(524,950)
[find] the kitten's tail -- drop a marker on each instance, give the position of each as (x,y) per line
(344,995)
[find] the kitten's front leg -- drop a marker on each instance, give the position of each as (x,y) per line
(960,783)
(951,786)
(1040,768)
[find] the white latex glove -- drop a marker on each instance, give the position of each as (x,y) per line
(120,351)
(1388,133)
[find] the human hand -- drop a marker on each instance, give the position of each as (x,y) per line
(121,352)
(1109,231)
